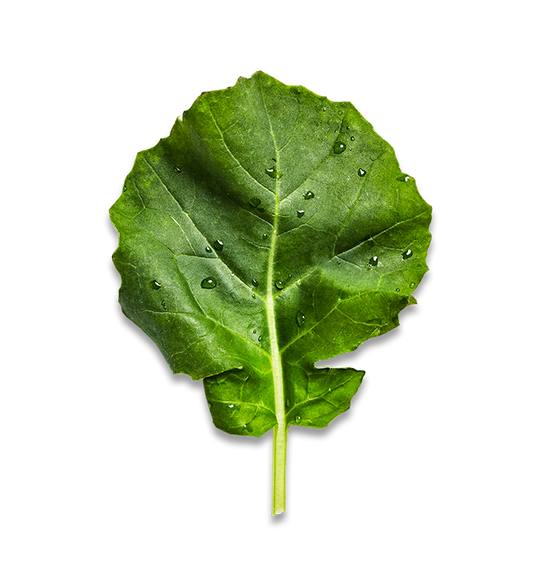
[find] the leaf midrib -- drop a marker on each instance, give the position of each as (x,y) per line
(275,356)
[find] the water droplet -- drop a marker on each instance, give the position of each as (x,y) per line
(177,169)
(412,285)
(309,195)
(407,254)
(361,172)
(231,406)
(298,418)
(347,128)
(340,112)
(300,213)
(219,245)
(265,236)
(163,304)
(271,172)
(352,138)
(254,283)
(373,262)
(155,285)
(397,290)
(208,249)
(255,201)
(324,109)
(339,147)
(279,285)
(124,188)
(403,178)
(260,338)
(300,319)
(253,295)
(209,283)
(254,331)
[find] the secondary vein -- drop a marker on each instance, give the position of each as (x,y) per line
(232,155)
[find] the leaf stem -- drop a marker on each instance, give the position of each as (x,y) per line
(279,457)
(280,430)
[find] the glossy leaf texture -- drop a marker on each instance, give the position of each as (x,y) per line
(272,229)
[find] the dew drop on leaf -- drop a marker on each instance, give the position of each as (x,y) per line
(271,172)
(265,236)
(279,285)
(208,249)
(260,338)
(255,201)
(397,290)
(254,282)
(309,195)
(412,285)
(407,254)
(219,245)
(361,172)
(339,148)
(373,262)
(209,283)
(253,295)
(300,213)
(352,138)
(177,169)
(231,406)
(124,188)
(155,285)
(298,418)
(163,304)
(300,319)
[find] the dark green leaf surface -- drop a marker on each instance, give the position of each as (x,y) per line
(271,229)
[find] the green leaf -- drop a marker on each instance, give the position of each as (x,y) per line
(272,229)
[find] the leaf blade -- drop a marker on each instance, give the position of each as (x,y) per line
(298,278)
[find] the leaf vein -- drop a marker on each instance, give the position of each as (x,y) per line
(208,317)
(233,156)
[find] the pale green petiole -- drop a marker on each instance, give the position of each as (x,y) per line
(280,430)
(278,468)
